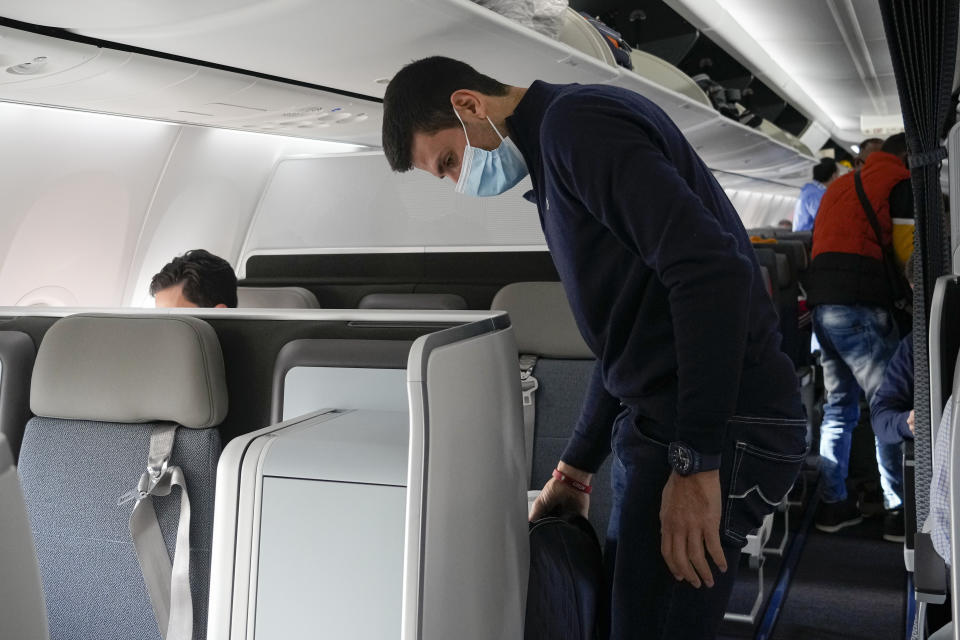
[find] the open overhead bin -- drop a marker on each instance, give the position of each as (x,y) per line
(317,42)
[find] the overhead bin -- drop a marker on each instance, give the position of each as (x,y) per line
(305,41)
(44,70)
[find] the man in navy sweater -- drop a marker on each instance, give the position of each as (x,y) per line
(690,390)
(891,415)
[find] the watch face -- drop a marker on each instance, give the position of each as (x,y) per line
(681,458)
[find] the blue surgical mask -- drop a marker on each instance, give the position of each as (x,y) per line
(490,173)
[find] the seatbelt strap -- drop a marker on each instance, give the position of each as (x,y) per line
(528,389)
(168,585)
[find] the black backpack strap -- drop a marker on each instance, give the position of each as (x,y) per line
(868,208)
(899,287)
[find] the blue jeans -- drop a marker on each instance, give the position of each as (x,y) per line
(856,343)
(760,461)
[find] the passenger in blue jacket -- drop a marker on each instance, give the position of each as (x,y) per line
(691,390)
(891,412)
(891,415)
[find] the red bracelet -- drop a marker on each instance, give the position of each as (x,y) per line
(560,476)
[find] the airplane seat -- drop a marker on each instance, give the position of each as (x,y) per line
(582,36)
(17,353)
(276,298)
(556,367)
(22,606)
(422,301)
(115,396)
(930,572)
(768,283)
(803,237)
(768,260)
(666,75)
(785,264)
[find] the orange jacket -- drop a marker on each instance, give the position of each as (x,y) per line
(847,265)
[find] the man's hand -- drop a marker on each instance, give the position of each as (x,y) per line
(689,521)
(557,494)
(910,422)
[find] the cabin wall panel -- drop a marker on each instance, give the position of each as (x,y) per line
(341,203)
(208,195)
(758,209)
(75,191)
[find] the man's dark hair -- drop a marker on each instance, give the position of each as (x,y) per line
(869,141)
(417,100)
(896,144)
(208,280)
(825,170)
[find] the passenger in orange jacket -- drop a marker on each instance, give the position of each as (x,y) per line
(852,296)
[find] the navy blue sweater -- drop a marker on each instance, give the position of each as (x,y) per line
(893,401)
(658,269)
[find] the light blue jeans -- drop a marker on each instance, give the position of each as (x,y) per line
(856,343)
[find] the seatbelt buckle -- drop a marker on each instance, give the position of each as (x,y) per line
(149,480)
(528,386)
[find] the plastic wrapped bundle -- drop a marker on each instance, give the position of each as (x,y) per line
(543,16)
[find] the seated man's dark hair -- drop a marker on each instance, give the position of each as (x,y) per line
(208,280)
(417,100)
(825,170)
(868,141)
(896,144)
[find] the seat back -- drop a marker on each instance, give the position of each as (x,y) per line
(276,298)
(544,327)
(786,261)
(17,353)
(441,301)
(21,597)
(944,345)
(100,385)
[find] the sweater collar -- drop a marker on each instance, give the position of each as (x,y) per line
(524,122)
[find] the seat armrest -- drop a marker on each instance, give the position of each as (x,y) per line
(930,571)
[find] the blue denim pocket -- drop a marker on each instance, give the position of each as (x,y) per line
(761,461)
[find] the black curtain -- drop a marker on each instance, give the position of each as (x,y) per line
(922,36)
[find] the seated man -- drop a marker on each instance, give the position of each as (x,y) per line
(891,415)
(196,279)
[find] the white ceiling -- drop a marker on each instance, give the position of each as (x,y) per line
(828,57)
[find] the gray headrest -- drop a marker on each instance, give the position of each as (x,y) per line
(276,298)
(130,369)
(448,301)
(542,320)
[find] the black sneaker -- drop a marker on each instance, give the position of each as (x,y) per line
(893,526)
(834,516)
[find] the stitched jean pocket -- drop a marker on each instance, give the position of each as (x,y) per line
(760,479)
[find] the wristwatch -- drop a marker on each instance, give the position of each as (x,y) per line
(686,460)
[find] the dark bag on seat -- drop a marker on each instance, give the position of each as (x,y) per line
(566,578)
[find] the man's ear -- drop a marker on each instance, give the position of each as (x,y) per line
(469,104)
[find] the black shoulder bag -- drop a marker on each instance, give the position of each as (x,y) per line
(900,290)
